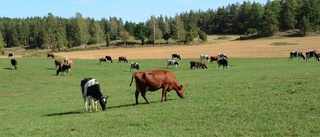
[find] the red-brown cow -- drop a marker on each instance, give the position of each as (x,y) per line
(50,55)
(122,58)
(155,79)
(213,58)
(57,63)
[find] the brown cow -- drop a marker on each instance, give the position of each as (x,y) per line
(213,58)
(122,58)
(57,63)
(50,55)
(155,79)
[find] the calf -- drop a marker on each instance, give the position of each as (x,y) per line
(64,68)
(134,65)
(204,57)
(154,80)
(122,59)
(223,62)
(14,63)
(91,94)
(172,63)
(57,63)
(50,55)
(10,55)
(213,58)
(175,56)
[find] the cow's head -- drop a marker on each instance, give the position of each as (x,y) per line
(180,91)
(103,102)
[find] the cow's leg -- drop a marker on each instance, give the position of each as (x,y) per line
(85,103)
(137,95)
(164,94)
(143,94)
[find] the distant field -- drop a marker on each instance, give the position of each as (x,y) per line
(261,48)
(255,97)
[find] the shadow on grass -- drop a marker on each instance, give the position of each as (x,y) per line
(64,113)
(9,68)
(51,69)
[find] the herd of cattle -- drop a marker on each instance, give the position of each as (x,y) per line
(149,80)
(309,54)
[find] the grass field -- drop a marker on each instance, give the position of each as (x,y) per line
(255,97)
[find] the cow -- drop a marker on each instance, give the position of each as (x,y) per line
(154,80)
(64,68)
(175,56)
(172,63)
(198,64)
(50,55)
(222,55)
(105,59)
(317,56)
(91,94)
(310,54)
(122,59)
(296,54)
(57,63)
(109,58)
(213,58)
(14,63)
(223,62)
(10,55)
(68,62)
(134,65)
(204,57)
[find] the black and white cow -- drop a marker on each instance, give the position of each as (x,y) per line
(223,62)
(222,55)
(107,58)
(310,54)
(91,94)
(296,54)
(204,57)
(175,56)
(64,68)
(134,65)
(14,63)
(172,63)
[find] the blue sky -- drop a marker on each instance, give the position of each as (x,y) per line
(129,10)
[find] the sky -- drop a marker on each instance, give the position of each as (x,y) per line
(128,10)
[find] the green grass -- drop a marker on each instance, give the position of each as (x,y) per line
(255,97)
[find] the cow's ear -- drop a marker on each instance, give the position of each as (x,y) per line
(180,87)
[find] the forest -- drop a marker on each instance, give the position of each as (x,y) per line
(247,18)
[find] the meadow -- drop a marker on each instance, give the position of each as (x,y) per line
(255,97)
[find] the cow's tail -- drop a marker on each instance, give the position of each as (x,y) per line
(132,79)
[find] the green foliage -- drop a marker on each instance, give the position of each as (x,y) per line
(253,98)
(203,36)
(108,40)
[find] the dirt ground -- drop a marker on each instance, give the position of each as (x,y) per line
(261,48)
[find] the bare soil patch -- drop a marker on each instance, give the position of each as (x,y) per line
(260,48)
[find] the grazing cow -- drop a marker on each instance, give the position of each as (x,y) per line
(317,55)
(296,54)
(204,57)
(50,55)
(109,58)
(64,68)
(172,63)
(57,63)
(105,59)
(310,54)
(222,55)
(122,59)
(134,65)
(198,64)
(156,79)
(223,62)
(213,58)
(175,56)
(10,55)
(68,62)
(91,94)
(14,63)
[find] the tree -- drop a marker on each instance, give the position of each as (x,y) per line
(203,35)
(108,40)
(125,36)
(179,32)
(140,32)
(113,28)
(155,32)
(83,29)
(288,14)
(269,23)
(129,27)
(1,43)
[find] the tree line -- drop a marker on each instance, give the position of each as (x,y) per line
(246,18)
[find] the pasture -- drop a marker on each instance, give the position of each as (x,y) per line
(255,97)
